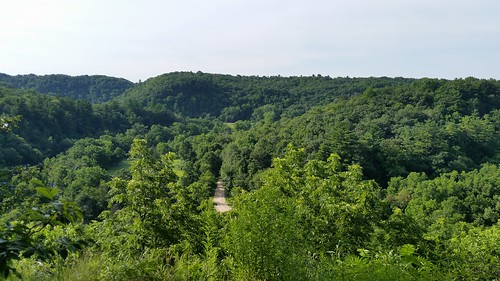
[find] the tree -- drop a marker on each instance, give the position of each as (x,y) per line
(17,236)
(7,123)
(148,197)
(304,209)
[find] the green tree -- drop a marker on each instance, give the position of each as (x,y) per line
(148,197)
(18,231)
(304,209)
(7,123)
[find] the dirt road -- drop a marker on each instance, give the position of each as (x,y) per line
(220,199)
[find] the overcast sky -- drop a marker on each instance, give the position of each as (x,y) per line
(138,39)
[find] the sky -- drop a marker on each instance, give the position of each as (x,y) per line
(137,40)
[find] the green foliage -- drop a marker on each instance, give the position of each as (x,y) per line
(302,210)
(48,125)
(96,88)
(235,98)
(88,266)
(381,265)
(390,131)
(468,196)
(21,234)
(209,264)
(398,230)
(150,213)
(148,196)
(80,172)
(265,239)
(311,214)
(474,254)
(7,123)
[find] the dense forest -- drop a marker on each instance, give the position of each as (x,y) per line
(95,88)
(328,178)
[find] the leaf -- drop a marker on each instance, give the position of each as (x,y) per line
(364,253)
(37,182)
(34,215)
(47,192)
(407,250)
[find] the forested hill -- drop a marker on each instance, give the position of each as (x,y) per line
(235,98)
(430,126)
(49,124)
(329,179)
(95,88)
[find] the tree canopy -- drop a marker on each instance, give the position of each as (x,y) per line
(328,178)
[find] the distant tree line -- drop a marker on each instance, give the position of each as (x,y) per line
(94,88)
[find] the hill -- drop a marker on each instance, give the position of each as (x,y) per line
(50,124)
(329,179)
(235,98)
(95,88)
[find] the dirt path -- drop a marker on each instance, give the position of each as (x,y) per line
(220,199)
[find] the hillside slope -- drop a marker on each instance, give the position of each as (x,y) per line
(235,98)
(95,88)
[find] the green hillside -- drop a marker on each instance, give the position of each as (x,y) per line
(328,179)
(235,98)
(94,88)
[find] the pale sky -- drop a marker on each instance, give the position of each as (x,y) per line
(145,38)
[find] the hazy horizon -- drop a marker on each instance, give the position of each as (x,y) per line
(139,40)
